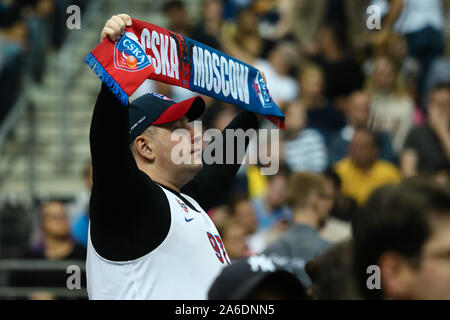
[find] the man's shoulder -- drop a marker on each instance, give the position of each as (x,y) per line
(386,168)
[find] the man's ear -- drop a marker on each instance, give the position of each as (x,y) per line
(314,202)
(144,147)
(397,276)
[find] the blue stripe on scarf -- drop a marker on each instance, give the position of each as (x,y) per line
(106,79)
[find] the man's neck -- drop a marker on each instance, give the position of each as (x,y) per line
(364,167)
(306,217)
(57,248)
(165,182)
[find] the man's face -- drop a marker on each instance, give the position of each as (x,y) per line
(362,149)
(359,108)
(276,191)
(432,279)
(54,220)
(165,146)
(440,99)
(246,217)
(234,241)
(295,117)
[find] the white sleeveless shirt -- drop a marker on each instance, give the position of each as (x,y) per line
(182,267)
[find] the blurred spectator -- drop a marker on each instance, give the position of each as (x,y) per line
(278,67)
(391,107)
(357,112)
(178,18)
(421,22)
(80,225)
(404,230)
(439,73)
(80,203)
(321,114)
(308,16)
(245,43)
(256,278)
(242,213)
(344,207)
(304,148)
(362,171)
(234,239)
(311,200)
(55,242)
(427,147)
(233,7)
(337,229)
(209,30)
(342,74)
(332,274)
(395,47)
(270,208)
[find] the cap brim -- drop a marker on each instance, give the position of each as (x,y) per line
(192,108)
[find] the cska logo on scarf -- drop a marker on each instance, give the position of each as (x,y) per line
(129,55)
(262,92)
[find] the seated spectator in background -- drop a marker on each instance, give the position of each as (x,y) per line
(342,74)
(337,227)
(304,148)
(178,18)
(321,114)
(242,213)
(404,230)
(234,239)
(270,209)
(53,242)
(422,23)
(362,171)
(13,46)
(80,225)
(391,107)
(394,46)
(311,200)
(245,43)
(80,203)
(256,278)
(427,147)
(281,61)
(357,113)
(332,274)
(344,207)
(439,73)
(209,30)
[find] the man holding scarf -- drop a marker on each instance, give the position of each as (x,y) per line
(149,235)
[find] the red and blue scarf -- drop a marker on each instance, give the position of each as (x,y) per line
(148,51)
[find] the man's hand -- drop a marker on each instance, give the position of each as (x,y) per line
(115,27)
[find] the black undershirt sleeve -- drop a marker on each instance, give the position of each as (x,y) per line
(129,213)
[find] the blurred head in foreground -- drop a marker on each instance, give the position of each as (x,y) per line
(402,242)
(255,278)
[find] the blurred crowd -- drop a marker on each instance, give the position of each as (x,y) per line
(364,173)
(28,30)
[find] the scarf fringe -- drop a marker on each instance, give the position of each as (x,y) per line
(106,79)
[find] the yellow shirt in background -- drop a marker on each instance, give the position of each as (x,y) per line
(257,183)
(359,184)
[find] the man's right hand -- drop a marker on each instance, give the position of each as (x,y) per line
(115,27)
